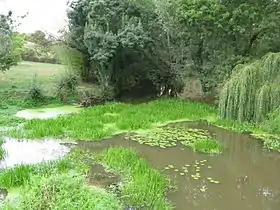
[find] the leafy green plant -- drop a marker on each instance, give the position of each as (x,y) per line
(143,186)
(273,123)
(34,91)
(66,85)
(210,146)
(65,191)
(96,96)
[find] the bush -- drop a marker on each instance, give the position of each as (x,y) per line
(66,85)
(273,123)
(96,96)
(34,90)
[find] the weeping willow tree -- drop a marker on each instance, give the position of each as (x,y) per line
(253,90)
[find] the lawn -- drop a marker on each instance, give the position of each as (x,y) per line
(19,77)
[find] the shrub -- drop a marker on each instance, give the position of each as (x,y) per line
(66,85)
(96,96)
(34,90)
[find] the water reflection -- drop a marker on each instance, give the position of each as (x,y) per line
(248,175)
(31,152)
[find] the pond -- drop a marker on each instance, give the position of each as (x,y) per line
(46,113)
(244,176)
(20,152)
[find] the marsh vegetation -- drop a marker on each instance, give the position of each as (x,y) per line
(117,101)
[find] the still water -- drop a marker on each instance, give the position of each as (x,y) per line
(247,175)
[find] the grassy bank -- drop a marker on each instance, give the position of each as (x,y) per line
(97,122)
(142,186)
(14,86)
(62,184)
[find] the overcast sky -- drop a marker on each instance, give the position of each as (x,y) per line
(46,15)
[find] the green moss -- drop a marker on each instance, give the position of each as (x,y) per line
(143,185)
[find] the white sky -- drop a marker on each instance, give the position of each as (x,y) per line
(46,15)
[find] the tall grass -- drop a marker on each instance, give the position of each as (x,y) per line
(64,192)
(209,146)
(143,185)
(21,175)
(95,123)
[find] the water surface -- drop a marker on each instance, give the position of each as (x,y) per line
(20,152)
(46,113)
(242,157)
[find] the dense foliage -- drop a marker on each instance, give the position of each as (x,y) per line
(11,42)
(129,43)
(5,41)
(253,90)
(123,44)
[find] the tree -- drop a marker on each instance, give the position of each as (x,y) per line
(5,41)
(122,43)
(222,34)
(39,38)
(253,90)
(11,43)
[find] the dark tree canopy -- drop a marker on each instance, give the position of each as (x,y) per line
(122,43)
(128,43)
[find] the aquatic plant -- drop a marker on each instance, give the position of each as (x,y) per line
(253,90)
(193,171)
(143,186)
(270,142)
(209,145)
(62,191)
(94,123)
(169,136)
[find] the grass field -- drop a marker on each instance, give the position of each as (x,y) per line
(19,77)
(24,72)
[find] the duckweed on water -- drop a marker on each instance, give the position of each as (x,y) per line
(169,136)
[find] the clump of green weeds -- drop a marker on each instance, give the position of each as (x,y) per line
(143,186)
(95,124)
(270,141)
(208,145)
(2,150)
(21,175)
(66,85)
(65,191)
(34,91)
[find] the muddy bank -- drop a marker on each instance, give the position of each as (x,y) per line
(247,176)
